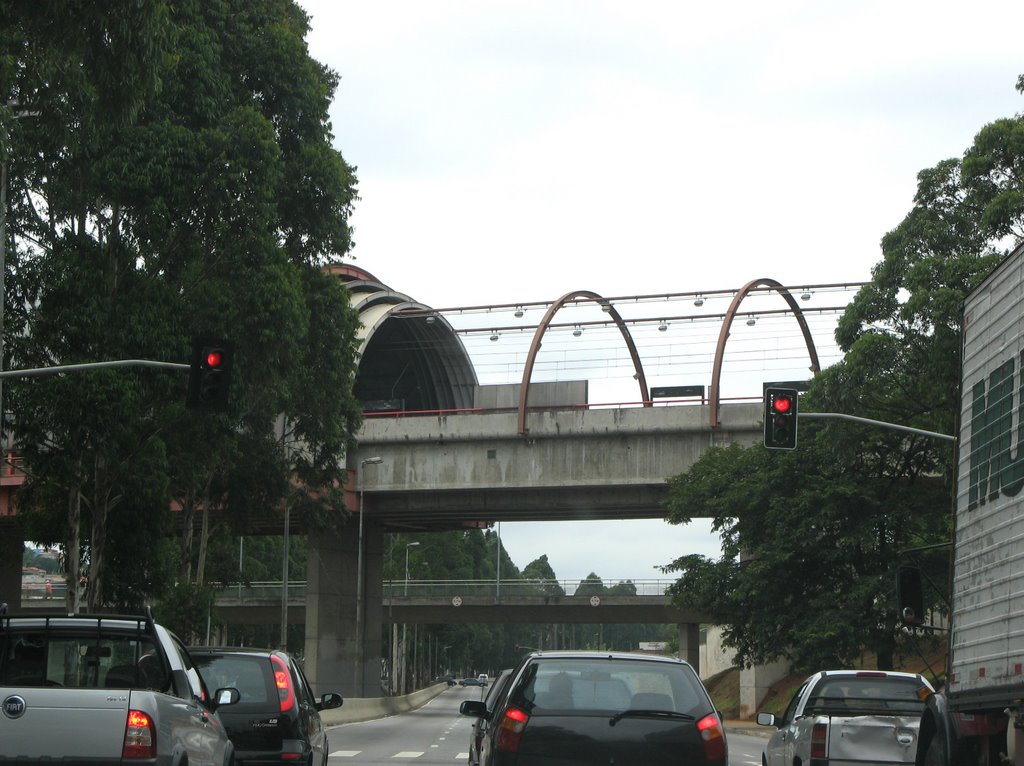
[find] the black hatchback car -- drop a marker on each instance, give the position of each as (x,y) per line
(277,718)
(571,708)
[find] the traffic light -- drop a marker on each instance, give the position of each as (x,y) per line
(780,418)
(209,374)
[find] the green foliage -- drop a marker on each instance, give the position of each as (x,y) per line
(810,548)
(187,610)
(172,175)
(811,539)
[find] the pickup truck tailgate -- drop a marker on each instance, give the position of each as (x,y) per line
(872,739)
(80,721)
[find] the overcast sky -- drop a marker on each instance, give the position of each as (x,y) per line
(516,151)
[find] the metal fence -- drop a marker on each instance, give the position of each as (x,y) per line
(442,589)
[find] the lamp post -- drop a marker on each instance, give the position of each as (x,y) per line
(407,547)
(405,592)
(360,586)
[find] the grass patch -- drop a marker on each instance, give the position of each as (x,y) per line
(926,655)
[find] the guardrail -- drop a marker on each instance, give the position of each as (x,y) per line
(413,589)
(444,589)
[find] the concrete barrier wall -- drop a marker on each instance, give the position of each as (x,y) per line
(370,708)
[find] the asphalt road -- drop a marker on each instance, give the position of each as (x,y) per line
(437,734)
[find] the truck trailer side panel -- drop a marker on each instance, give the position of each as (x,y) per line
(988,582)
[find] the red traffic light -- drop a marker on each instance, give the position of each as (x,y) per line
(214,357)
(780,418)
(782,404)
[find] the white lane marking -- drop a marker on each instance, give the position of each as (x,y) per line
(408,754)
(345,753)
(461,756)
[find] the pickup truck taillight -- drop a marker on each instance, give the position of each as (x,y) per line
(712,734)
(818,735)
(510,730)
(139,736)
(283,682)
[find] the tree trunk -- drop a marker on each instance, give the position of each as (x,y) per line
(188,514)
(98,540)
(204,537)
(73,550)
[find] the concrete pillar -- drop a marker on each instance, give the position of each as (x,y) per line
(331,645)
(755,683)
(689,643)
(373,615)
(12,546)
(331,611)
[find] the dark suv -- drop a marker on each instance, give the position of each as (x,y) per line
(601,707)
(277,718)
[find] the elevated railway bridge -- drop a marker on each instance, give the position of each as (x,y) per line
(441,450)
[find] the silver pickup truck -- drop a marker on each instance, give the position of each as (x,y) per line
(103,689)
(849,717)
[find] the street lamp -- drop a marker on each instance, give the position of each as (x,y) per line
(360,595)
(406,593)
(407,547)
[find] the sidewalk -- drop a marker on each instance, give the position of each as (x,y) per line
(749,728)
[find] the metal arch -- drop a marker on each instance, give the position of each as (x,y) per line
(524,389)
(723,336)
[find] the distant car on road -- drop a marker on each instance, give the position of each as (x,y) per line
(277,718)
(472,682)
(563,708)
(483,679)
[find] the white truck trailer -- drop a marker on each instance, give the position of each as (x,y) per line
(978,718)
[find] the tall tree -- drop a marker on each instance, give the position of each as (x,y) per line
(187,188)
(812,538)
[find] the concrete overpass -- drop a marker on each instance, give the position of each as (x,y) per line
(453,453)
(451,470)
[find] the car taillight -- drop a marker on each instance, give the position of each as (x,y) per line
(139,736)
(818,734)
(510,730)
(712,734)
(283,682)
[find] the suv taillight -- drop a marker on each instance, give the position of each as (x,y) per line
(712,734)
(510,730)
(283,683)
(818,734)
(139,736)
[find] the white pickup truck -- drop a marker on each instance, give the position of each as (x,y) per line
(849,717)
(104,689)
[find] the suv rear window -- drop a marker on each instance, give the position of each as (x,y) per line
(614,685)
(251,675)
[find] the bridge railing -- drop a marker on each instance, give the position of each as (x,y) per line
(443,589)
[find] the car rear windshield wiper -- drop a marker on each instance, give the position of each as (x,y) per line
(656,713)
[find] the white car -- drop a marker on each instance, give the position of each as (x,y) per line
(853,716)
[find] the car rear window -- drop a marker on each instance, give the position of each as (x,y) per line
(81,661)
(867,694)
(556,685)
(251,675)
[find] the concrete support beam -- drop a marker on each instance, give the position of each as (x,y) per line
(689,644)
(755,683)
(332,646)
(331,657)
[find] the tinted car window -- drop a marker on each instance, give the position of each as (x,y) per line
(247,674)
(611,685)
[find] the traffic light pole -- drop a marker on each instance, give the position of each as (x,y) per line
(868,421)
(92,366)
